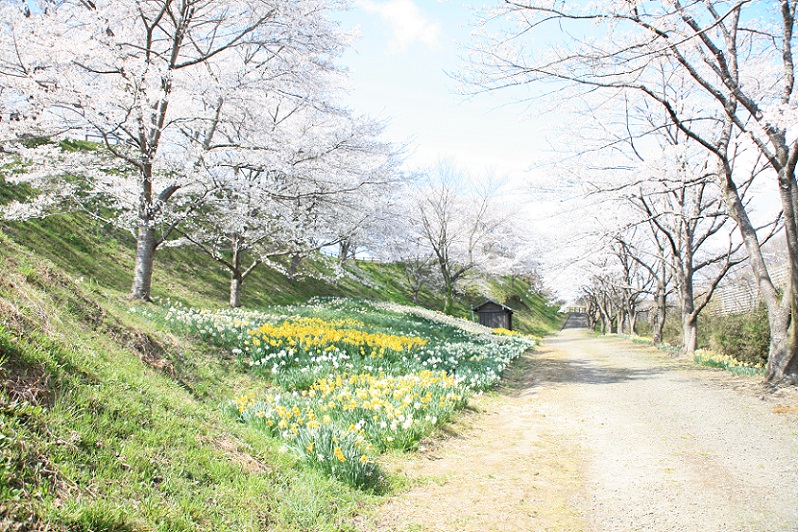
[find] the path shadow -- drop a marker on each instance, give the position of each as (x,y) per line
(537,369)
(542,366)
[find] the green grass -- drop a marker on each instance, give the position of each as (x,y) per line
(104,254)
(112,421)
(109,424)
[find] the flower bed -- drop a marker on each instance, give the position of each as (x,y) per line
(710,358)
(350,379)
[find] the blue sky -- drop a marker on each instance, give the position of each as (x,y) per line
(397,70)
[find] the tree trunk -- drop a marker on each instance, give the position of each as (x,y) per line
(606,319)
(145,258)
(344,249)
(236,277)
(689,318)
(415,289)
(145,240)
(592,314)
(689,326)
(689,333)
(448,286)
(782,357)
(296,258)
(449,303)
(660,316)
(606,324)
(783,354)
(782,363)
(236,284)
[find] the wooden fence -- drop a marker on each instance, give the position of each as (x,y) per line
(742,294)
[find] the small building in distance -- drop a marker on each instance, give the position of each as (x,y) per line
(494,315)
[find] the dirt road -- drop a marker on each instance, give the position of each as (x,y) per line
(600,434)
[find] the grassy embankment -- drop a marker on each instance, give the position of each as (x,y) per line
(112,421)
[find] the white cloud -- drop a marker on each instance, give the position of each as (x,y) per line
(407,21)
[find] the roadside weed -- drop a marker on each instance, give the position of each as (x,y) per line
(705,357)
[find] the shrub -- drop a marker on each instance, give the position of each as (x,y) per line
(743,337)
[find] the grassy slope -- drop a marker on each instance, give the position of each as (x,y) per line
(107,423)
(103,255)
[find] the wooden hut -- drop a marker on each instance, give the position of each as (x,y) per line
(494,315)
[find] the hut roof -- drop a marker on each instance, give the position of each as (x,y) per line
(491,302)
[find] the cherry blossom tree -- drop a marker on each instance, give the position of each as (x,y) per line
(686,211)
(457,220)
(154,82)
(602,294)
(290,181)
(390,240)
(736,57)
(653,257)
(653,201)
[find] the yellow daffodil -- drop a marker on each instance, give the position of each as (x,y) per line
(339,455)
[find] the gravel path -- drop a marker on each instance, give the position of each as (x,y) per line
(601,434)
